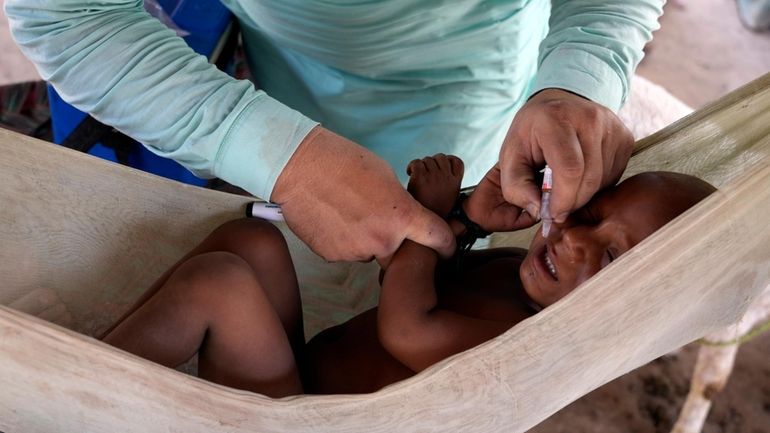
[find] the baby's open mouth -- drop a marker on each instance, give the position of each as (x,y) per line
(549,264)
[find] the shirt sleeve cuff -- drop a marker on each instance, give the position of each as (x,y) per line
(582,73)
(259,144)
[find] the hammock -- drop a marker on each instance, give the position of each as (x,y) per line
(81,239)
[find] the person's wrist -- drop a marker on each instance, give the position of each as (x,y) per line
(472,211)
(470,230)
(285,183)
(442,210)
(553,93)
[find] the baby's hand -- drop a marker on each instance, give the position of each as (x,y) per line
(434,181)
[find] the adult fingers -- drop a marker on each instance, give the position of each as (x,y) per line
(507,217)
(621,142)
(564,155)
(517,180)
(606,151)
(597,163)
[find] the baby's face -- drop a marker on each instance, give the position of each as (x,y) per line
(610,224)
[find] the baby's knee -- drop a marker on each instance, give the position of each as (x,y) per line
(243,234)
(215,275)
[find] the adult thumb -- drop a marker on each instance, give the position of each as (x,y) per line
(429,229)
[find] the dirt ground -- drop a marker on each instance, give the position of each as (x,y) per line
(700,53)
(648,399)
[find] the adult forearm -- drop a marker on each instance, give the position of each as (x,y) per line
(591,51)
(593,48)
(115,61)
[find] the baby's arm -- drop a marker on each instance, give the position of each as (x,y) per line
(410,325)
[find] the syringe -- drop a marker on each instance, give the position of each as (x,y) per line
(545,200)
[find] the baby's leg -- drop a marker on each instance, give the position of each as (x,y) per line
(214,304)
(256,243)
(263,247)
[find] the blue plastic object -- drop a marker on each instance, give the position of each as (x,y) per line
(206,21)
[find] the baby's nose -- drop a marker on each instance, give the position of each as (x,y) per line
(575,240)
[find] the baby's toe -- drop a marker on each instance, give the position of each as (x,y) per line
(415,167)
(430,163)
(456,166)
(443,163)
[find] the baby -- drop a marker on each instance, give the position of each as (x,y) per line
(234,299)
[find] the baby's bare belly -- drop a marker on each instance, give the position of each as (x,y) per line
(348,359)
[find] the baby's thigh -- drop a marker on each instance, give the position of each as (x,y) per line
(262,246)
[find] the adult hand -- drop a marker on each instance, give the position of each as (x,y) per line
(487,207)
(346,203)
(585,144)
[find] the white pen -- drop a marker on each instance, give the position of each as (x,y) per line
(265,210)
(545,200)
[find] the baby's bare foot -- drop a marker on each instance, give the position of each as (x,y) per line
(435,181)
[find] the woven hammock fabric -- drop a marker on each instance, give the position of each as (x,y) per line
(81,238)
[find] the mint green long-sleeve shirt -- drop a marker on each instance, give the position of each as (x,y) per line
(405,78)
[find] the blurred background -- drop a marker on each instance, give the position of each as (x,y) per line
(701,52)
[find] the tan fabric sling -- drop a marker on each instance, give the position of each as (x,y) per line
(81,239)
